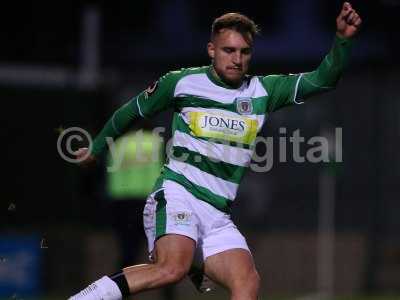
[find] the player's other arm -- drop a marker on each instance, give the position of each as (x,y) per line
(326,76)
(157,97)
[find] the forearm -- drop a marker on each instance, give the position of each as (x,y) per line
(328,73)
(117,125)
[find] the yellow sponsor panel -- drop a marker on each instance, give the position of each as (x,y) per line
(223,127)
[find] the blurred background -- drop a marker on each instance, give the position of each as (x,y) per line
(317,230)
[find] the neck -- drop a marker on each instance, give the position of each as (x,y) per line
(231,84)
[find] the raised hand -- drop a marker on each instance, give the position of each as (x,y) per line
(84,157)
(348,22)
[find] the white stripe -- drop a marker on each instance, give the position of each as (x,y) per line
(137,103)
(219,152)
(260,90)
(158,190)
(200,86)
(261,120)
(295,90)
(214,111)
(214,184)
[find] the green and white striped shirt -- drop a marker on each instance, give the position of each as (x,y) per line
(215,125)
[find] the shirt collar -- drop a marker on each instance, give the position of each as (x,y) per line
(213,76)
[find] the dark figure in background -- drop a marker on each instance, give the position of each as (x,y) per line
(132,170)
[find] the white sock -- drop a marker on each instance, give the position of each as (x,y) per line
(102,289)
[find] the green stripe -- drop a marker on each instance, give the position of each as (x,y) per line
(259,104)
(158,184)
(202,193)
(193,101)
(226,171)
(161,214)
(179,124)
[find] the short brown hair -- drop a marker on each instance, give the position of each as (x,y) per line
(235,21)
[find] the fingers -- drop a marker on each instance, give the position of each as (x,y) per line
(349,15)
(346,6)
(84,158)
(348,21)
(80,151)
(357,21)
(346,9)
(353,18)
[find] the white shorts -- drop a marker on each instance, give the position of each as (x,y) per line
(173,210)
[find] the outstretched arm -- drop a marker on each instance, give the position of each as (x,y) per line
(155,98)
(117,125)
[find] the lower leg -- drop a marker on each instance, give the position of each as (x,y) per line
(249,292)
(131,281)
(174,254)
(151,276)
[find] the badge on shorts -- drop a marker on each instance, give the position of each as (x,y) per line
(244,106)
(181,218)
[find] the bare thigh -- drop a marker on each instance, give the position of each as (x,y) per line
(174,249)
(235,270)
(173,258)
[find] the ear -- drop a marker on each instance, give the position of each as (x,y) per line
(211,50)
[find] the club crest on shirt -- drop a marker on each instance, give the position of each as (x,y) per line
(244,106)
(151,89)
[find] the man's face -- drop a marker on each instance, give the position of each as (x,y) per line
(231,55)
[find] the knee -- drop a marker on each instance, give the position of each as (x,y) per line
(255,281)
(249,284)
(172,273)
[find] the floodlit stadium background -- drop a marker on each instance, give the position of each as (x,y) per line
(65,64)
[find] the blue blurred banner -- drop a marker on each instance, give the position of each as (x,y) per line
(20,265)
